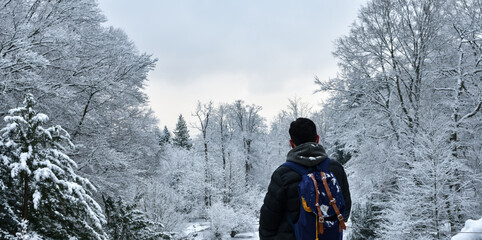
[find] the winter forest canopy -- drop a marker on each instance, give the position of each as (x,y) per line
(82,156)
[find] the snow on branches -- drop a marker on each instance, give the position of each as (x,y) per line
(37,164)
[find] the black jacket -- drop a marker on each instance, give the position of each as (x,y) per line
(282,197)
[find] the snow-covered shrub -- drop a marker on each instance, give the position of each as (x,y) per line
(160,203)
(471,231)
(222,219)
(225,219)
(243,222)
(183,172)
(246,207)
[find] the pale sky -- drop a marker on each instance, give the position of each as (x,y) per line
(261,51)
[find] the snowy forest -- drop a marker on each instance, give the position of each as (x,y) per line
(82,155)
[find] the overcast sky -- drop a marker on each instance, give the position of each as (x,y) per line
(261,51)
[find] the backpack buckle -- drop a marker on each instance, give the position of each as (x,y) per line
(340,217)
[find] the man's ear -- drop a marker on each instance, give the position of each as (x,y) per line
(292,144)
(317,138)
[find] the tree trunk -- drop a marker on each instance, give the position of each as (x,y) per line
(248,160)
(86,109)
(207,194)
(25,198)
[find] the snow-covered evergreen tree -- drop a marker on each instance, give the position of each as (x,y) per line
(57,202)
(165,137)
(181,134)
(10,220)
(126,222)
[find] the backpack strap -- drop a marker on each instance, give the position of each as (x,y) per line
(300,170)
(320,220)
(304,171)
(323,167)
(333,203)
(296,167)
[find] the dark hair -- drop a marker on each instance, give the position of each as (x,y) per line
(303,130)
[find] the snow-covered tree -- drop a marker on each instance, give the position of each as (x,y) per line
(56,201)
(297,108)
(125,221)
(10,217)
(405,107)
(247,123)
(203,114)
(177,191)
(181,134)
(89,78)
(165,137)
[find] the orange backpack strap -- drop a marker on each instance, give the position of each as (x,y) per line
(319,222)
(332,202)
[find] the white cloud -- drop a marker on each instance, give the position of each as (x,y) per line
(263,52)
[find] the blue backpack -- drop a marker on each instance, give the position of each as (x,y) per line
(322,203)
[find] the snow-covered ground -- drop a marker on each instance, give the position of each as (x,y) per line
(471,231)
(200,231)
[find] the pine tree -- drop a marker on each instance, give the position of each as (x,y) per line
(165,137)
(126,221)
(10,222)
(181,134)
(363,221)
(57,202)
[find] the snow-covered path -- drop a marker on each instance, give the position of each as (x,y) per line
(200,231)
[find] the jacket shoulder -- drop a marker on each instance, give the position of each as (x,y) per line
(335,166)
(286,175)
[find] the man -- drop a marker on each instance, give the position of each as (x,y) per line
(282,200)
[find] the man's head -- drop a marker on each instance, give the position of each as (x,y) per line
(301,131)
